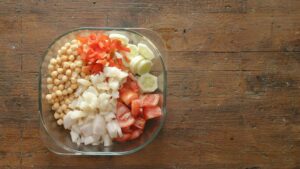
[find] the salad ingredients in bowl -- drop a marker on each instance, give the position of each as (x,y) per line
(100,88)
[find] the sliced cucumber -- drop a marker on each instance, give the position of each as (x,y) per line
(145,51)
(134,62)
(133,51)
(147,82)
(121,37)
(144,67)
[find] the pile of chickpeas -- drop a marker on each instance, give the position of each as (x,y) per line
(64,70)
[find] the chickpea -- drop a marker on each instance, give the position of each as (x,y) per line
(71,97)
(74,86)
(64,58)
(53,96)
(54,73)
(59,52)
(74,41)
(65,92)
(67,44)
(64,78)
(67,101)
(56,99)
(78,63)
(58,93)
(66,65)
(55,106)
(74,74)
(58,60)
(60,122)
(68,72)
(53,61)
(71,57)
(59,110)
(70,90)
(60,76)
(56,115)
(72,66)
(49,80)
(49,86)
(69,51)
(56,81)
(64,107)
(62,115)
(60,70)
(54,88)
(50,67)
(48,97)
(77,70)
(68,84)
(73,80)
(63,49)
(61,87)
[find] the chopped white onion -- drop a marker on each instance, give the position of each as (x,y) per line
(107,140)
(92,118)
(74,136)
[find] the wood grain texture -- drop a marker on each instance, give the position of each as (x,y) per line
(233,81)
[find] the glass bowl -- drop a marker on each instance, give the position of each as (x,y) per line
(58,140)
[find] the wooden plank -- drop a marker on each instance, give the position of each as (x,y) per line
(18,96)
(10,43)
(216,31)
(10,149)
(10,33)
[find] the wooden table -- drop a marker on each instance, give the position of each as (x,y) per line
(233,80)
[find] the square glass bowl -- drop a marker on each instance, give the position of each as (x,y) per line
(58,140)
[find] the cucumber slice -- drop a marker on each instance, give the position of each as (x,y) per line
(122,38)
(134,62)
(145,51)
(144,67)
(147,82)
(133,51)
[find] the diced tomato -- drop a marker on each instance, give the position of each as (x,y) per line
(124,138)
(131,84)
(135,134)
(127,96)
(121,109)
(150,100)
(134,86)
(136,109)
(95,68)
(139,123)
(124,116)
(127,130)
(126,120)
(152,112)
